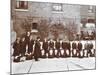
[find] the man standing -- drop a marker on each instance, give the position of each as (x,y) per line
(30,49)
(30,45)
(27,37)
(37,51)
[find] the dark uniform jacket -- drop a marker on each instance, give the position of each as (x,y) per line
(23,46)
(27,39)
(37,51)
(57,44)
(91,45)
(30,46)
(74,46)
(45,45)
(64,45)
(86,46)
(17,48)
(79,46)
(68,45)
(51,44)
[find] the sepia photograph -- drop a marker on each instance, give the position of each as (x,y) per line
(52,37)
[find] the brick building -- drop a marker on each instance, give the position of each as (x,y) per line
(31,14)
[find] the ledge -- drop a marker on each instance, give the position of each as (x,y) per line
(57,12)
(21,9)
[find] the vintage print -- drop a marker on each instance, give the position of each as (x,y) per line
(52,37)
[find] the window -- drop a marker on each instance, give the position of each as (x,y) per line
(91,20)
(21,5)
(90,9)
(57,7)
(34,25)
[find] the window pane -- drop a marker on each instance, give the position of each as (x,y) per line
(17,4)
(57,7)
(21,4)
(90,10)
(26,4)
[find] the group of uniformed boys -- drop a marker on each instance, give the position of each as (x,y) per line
(25,48)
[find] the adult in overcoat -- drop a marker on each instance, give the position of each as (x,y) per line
(30,46)
(27,37)
(37,51)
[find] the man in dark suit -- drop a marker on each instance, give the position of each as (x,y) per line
(30,45)
(30,49)
(37,51)
(27,37)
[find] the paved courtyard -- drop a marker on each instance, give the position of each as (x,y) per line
(53,64)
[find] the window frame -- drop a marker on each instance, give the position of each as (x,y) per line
(57,7)
(20,6)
